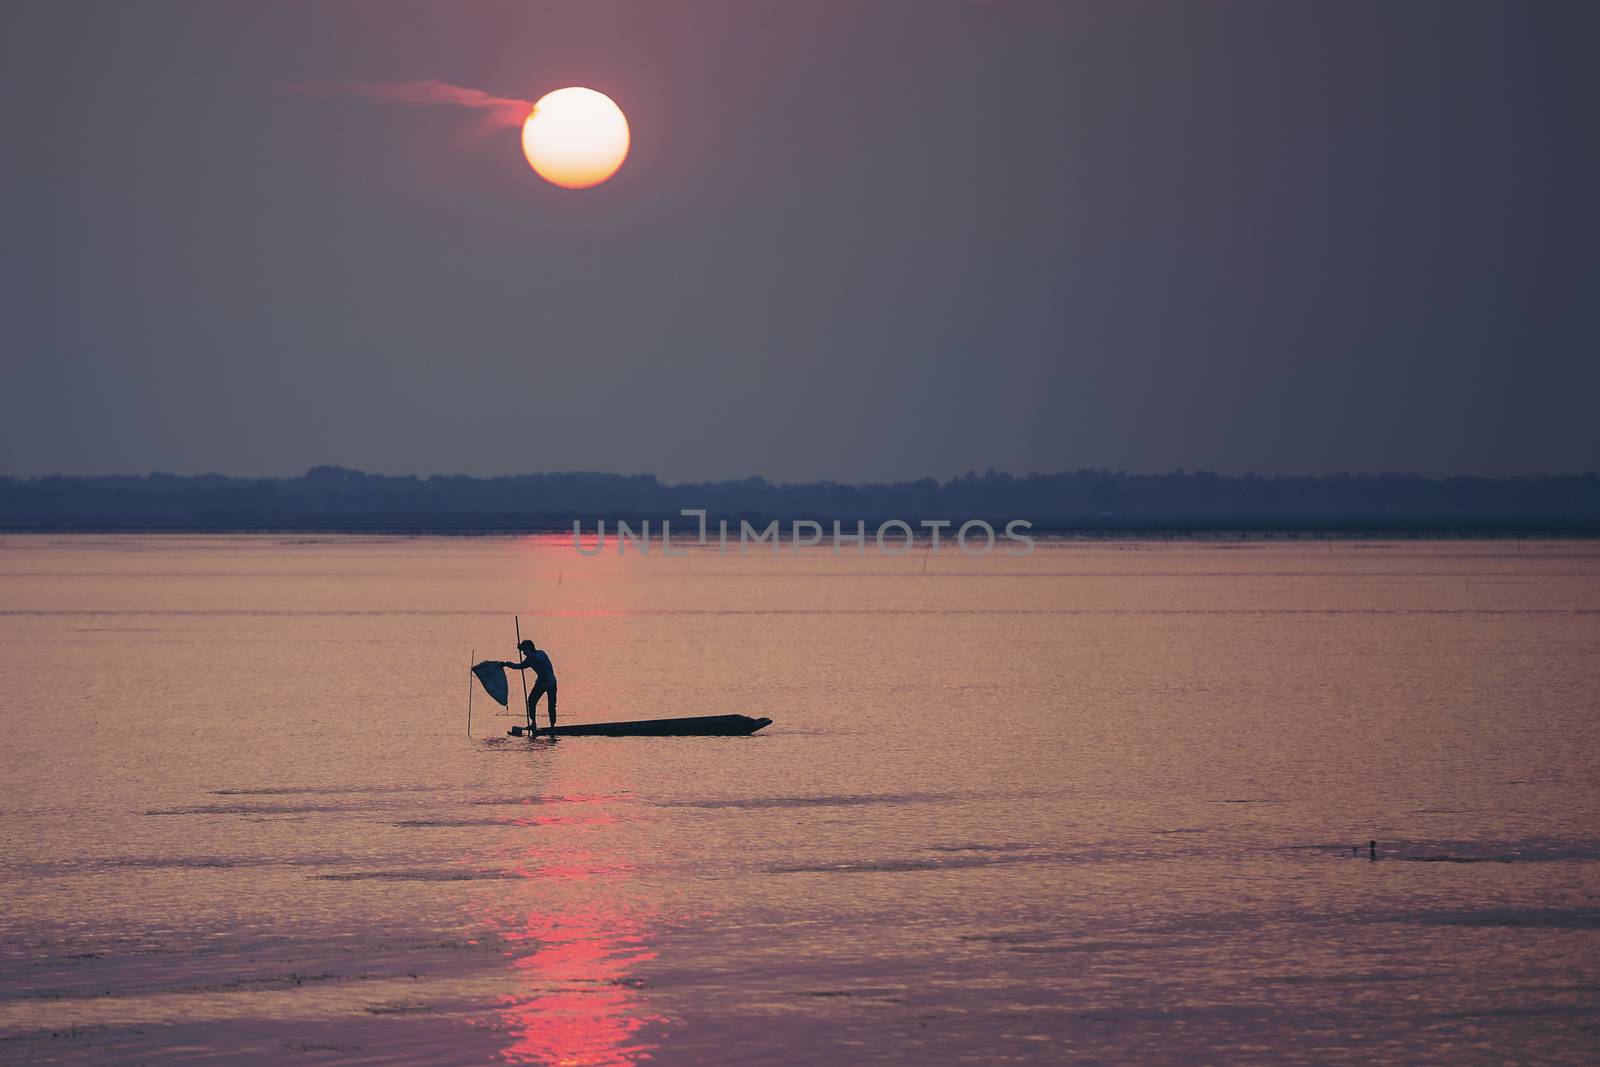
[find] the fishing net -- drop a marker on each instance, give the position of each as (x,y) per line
(492,675)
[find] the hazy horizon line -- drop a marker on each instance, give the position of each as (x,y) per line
(970,473)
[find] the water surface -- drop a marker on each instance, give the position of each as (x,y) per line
(1096,804)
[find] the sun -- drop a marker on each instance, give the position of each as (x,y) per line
(575,137)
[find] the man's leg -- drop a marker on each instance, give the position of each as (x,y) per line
(533,704)
(550,702)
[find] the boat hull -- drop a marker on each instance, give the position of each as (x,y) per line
(694,726)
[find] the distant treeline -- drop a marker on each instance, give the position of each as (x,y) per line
(335,498)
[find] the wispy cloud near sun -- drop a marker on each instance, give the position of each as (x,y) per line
(499,110)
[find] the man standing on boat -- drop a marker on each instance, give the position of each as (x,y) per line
(538,661)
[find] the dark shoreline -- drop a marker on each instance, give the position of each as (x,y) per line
(1095,503)
(1177,527)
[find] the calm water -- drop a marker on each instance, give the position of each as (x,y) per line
(1093,805)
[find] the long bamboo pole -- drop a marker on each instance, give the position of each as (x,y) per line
(470,663)
(523,674)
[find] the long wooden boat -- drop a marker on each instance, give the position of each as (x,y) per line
(693,726)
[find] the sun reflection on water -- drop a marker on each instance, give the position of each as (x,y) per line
(575,948)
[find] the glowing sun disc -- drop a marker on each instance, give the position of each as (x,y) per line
(575,137)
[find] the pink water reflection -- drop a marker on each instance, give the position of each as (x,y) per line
(575,948)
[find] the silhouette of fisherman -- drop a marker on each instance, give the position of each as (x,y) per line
(538,661)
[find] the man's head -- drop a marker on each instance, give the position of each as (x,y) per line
(526,645)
